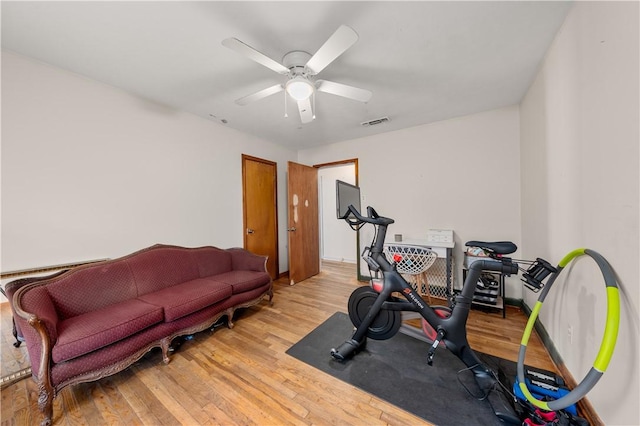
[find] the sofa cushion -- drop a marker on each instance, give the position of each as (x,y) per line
(241,281)
(87,332)
(183,299)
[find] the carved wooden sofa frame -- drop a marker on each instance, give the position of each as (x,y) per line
(248,278)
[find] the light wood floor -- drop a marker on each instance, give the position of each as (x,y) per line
(243,376)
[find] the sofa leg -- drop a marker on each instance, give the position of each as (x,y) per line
(17,343)
(270,297)
(165,345)
(230,313)
(45,404)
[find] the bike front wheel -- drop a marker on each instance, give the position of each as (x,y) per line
(386,323)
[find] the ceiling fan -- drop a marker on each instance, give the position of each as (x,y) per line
(300,69)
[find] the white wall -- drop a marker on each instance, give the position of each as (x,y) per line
(337,239)
(90,171)
(461,174)
(580,188)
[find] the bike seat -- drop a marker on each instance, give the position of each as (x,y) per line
(496,247)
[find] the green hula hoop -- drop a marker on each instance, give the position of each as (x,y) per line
(608,339)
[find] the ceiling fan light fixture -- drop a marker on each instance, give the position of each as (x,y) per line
(299,88)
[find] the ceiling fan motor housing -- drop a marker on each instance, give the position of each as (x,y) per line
(299,85)
(296,62)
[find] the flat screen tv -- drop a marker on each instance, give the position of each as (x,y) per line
(346,195)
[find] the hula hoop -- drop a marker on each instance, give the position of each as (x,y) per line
(608,339)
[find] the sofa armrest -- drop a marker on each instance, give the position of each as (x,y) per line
(12,287)
(33,301)
(243,260)
(39,319)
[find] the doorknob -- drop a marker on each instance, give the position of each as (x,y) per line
(250,231)
(291,229)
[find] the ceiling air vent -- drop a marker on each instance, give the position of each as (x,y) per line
(376,121)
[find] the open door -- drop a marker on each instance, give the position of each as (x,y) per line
(304,240)
(260,209)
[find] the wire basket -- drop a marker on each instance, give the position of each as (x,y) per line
(414,259)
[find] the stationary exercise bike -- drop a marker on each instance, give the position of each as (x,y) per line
(376,311)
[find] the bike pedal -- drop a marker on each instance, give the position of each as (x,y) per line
(434,346)
(430,355)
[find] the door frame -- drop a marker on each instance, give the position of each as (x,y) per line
(246,157)
(353,161)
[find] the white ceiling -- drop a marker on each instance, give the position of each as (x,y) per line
(424,61)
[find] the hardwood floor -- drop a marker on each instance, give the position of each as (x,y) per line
(243,376)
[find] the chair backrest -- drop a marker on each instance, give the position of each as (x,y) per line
(414,259)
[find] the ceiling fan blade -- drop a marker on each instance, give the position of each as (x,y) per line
(336,45)
(248,51)
(259,95)
(306,113)
(343,90)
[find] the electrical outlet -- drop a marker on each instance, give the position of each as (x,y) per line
(570,334)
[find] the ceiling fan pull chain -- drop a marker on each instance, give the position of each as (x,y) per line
(314,105)
(285,105)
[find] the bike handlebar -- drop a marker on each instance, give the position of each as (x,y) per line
(506,267)
(372,217)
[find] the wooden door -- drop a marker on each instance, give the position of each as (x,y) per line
(259,199)
(304,240)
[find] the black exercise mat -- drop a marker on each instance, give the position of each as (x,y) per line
(396,371)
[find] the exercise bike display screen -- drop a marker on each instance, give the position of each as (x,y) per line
(346,195)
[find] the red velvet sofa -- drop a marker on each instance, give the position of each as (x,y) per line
(96,320)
